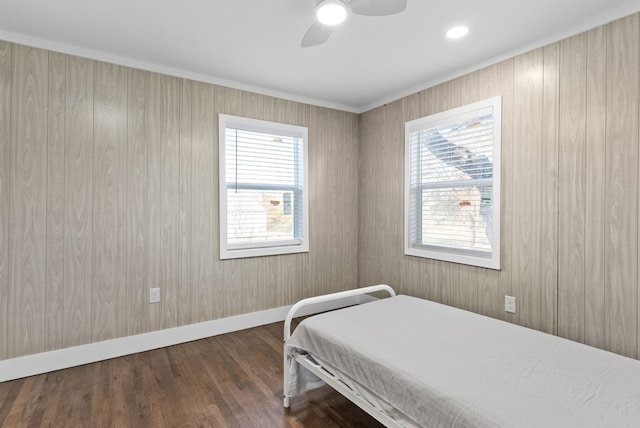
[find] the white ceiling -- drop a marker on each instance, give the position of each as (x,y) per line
(255,44)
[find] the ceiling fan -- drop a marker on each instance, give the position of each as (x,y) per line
(333,12)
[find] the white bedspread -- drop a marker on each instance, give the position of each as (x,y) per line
(445,367)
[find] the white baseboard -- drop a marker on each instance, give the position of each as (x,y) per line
(44,362)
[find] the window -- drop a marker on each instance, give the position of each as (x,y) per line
(263,188)
(452,185)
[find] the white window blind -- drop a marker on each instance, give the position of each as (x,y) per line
(263,202)
(452,196)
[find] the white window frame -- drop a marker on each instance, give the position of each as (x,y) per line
(257,249)
(446,253)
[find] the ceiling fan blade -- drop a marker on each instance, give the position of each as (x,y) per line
(316,35)
(377,7)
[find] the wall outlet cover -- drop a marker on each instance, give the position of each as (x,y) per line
(154,295)
(510,304)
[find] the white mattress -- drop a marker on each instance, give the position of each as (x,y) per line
(444,367)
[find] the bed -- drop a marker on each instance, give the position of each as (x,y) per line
(411,362)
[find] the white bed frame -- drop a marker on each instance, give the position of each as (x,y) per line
(574,385)
(328,377)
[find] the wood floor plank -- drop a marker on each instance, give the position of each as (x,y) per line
(231,380)
(8,397)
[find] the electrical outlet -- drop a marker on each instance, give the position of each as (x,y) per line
(510,304)
(154,295)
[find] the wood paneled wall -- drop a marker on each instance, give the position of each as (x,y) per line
(108,187)
(570,193)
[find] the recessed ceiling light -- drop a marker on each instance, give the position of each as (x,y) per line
(457,32)
(331,12)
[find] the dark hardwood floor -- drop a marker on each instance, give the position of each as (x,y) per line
(231,380)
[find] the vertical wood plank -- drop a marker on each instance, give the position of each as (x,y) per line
(373,243)
(274,110)
(466,285)
(232,269)
(322,187)
(170,182)
(634,45)
(282,111)
(367,214)
(5,171)
(348,194)
(467,294)
(594,287)
(412,278)
(27,258)
(345,202)
(185,307)
(244,297)
(483,289)
(334,207)
(203,204)
(549,190)
(384,182)
(218,287)
(621,244)
(431,286)
(507,208)
(78,209)
(137,231)
(339,199)
(303,277)
(486,84)
(464,279)
(443,276)
(446,274)
(527,197)
(393,162)
(284,271)
(283,268)
(572,189)
(55,202)
(434,288)
(317,171)
(109,199)
(153,197)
